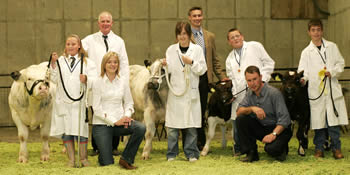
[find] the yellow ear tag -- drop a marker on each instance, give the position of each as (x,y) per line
(277,78)
(212,90)
(149,68)
(321,74)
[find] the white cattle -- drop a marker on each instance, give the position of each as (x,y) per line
(149,91)
(30,102)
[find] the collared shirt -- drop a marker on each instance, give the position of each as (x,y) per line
(111,100)
(96,48)
(272,102)
(194,31)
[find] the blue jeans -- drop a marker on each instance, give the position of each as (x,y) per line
(236,146)
(191,150)
(320,137)
(103,136)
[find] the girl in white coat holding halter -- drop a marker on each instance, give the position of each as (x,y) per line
(70,101)
(185,63)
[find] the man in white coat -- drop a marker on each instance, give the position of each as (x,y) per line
(321,60)
(98,44)
(243,55)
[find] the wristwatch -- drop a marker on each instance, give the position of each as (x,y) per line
(274,133)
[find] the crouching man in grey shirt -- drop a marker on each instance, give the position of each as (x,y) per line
(263,115)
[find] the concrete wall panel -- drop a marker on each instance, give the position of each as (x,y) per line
(161,9)
(113,6)
(21,10)
(3,49)
(300,39)
(21,45)
(136,40)
(163,35)
(135,9)
(224,9)
(49,10)
(77,9)
(249,8)
(185,5)
(80,28)
(252,29)
(3,9)
(49,39)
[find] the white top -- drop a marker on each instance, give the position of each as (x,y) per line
(65,115)
(111,101)
(252,54)
(312,63)
(96,48)
(184,111)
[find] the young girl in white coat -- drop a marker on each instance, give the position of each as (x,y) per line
(185,62)
(70,101)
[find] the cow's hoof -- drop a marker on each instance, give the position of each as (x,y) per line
(22,159)
(64,150)
(204,153)
(44,157)
(301,151)
(145,156)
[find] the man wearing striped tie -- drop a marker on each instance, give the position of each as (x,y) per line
(206,40)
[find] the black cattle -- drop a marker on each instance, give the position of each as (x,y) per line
(296,98)
(219,111)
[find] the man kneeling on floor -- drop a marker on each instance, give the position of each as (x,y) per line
(262,115)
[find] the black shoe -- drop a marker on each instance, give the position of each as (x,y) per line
(251,156)
(282,157)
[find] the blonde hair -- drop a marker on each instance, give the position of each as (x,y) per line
(81,49)
(105,59)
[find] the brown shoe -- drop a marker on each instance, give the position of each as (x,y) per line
(318,154)
(337,154)
(126,165)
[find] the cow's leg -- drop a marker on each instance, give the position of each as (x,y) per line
(212,122)
(223,138)
(301,139)
(150,130)
(23,137)
(44,132)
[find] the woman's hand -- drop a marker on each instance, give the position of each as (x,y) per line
(186,59)
(83,78)
(54,58)
(125,121)
(163,61)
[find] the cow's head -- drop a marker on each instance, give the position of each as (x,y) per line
(290,82)
(223,89)
(157,79)
(33,79)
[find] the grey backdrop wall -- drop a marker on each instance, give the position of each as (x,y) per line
(31,29)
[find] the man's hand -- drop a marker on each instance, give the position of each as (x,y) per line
(260,113)
(328,74)
(83,78)
(269,138)
(163,61)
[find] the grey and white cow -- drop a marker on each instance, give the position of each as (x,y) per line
(30,102)
(149,91)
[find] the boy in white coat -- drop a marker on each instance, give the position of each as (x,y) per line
(322,64)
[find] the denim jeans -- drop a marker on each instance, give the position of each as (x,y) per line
(191,150)
(103,136)
(320,137)
(236,146)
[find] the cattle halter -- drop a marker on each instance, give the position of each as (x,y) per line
(30,92)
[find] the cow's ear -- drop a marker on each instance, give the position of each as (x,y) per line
(147,63)
(301,74)
(15,75)
(277,76)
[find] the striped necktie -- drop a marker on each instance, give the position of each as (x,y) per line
(72,62)
(200,40)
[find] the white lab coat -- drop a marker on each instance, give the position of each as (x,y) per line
(184,111)
(65,115)
(311,63)
(253,54)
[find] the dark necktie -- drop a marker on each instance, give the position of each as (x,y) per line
(105,40)
(72,63)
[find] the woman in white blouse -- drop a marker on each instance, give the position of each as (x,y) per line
(113,107)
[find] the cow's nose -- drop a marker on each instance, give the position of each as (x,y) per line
(152,85)
(42,87)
